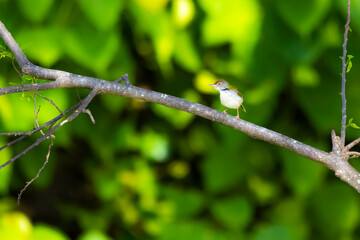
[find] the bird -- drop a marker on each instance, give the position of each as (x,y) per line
(230,97)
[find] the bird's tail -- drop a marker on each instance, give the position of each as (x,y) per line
(243,108)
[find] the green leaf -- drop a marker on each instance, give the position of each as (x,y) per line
(15,225)
(41,44)
(233,212)
(37,10)
(44,232)
(187,202)
(102,13)
(303,16)
(6,172)
(191,230)
(93,50)
(301,175)
(349,63)
(278,232)
(220,175)
(334,210)
(185,52)
(154,146)
(351,124)
(179,119)
(291,212)
(305,76)
(315,101)
(5,52)
(223,17)
(93,235)
(28,79)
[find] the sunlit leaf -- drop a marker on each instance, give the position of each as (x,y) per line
(146,185)
(43,232)
(5,176)
(232,21)
(349,63)
(152,6)
(154,146)
(202,81)
(93,50)
(185,52)
(351,124)
(41,44)
(183,12)
(102,13)
(94,235)
(15,225)
(305,76)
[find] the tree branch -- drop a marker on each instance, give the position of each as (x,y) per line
(335,160)
(343,77)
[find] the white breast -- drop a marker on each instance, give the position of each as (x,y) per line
(230,99)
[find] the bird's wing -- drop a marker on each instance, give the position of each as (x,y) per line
(235,90)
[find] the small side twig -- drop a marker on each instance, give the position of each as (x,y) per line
(36,122)
(90,115)
(125,79)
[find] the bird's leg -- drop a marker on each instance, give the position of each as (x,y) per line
(224,112)
(237,116)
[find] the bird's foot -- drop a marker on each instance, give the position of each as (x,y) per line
(224,112)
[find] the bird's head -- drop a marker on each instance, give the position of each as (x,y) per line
(220,85)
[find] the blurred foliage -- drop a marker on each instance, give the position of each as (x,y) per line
(145,171)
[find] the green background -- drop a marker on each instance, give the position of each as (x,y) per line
(144,171)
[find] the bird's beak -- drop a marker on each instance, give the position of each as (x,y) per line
(211,85)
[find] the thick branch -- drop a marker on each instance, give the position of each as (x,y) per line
(333,160)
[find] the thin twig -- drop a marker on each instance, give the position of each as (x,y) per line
(353,153)
(52,121)
(38,173)
(88,112)
(82,106)
(14,66)
(343,78)
(36,122)
(352,144)
(49,100)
